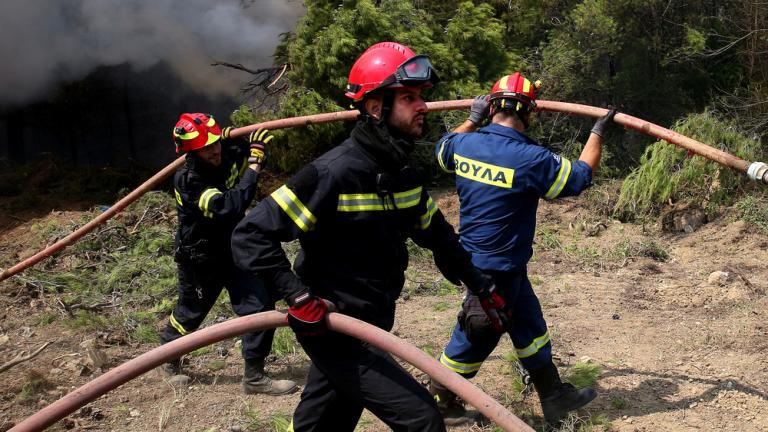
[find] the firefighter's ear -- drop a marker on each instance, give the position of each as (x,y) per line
(373,106)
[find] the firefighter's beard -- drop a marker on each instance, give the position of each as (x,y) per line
(407,127)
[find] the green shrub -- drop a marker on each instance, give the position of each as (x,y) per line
(284,342)
(583,374)
(145,333)
(667,173)
(753,209)
(87,321)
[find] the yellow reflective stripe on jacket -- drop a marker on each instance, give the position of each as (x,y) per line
(440,160)
(234,174)
(534,347)
(426,218)
(561,180)
(458,367)
(179,328)
(294,208)
(205,200)
(374,202)
(178,197)
(290,427)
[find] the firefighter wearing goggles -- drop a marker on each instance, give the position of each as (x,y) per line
(352,210)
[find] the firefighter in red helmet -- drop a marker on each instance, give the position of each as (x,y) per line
(352,210)
(498,220)
(213,189)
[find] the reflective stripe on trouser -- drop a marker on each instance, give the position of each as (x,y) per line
(199,288)
(529,335)
(347,376)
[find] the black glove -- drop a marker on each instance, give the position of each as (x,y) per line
(479,110)
(307,314)
(604,123)
(225,134)
(474,322)
(259,139)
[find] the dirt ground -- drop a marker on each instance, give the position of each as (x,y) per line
(676,351)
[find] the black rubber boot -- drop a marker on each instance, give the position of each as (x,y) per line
(451,408)
(256,381)
(558,398)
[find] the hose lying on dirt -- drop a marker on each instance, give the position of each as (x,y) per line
(265,320)
(757,171)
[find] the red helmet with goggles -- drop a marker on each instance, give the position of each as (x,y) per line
(388,65)
(194,131)
(514,92)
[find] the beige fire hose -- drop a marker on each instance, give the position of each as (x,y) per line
(266,320)
(757,171)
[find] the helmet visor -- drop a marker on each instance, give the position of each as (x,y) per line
(416,70)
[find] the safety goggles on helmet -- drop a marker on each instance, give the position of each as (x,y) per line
(414,71)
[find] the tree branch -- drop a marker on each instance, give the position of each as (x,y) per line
(21,357)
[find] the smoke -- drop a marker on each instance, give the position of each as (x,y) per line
(44,43)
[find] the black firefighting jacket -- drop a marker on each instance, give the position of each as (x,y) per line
(211,200)
(352,210)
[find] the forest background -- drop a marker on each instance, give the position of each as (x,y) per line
(700,65)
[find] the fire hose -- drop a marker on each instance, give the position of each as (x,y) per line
(757,171)
(266,320)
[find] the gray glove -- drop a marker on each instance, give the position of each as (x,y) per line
(604,123)
(480,108)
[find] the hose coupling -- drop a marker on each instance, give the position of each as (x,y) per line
(758,171)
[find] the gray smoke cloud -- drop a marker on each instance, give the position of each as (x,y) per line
(47,42)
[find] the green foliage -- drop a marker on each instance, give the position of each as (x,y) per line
(618,403)
(280,421)
(442,306)
(622,53)
(464,40)
(598,423)
(284,342)
(146,334)
(87,322)
(217,365)
(667,173)
(129,258)
(583,374)
(753,209)
(254,421)
(429,349)
(202,351)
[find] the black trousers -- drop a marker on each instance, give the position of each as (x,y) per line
(200,285)
(347,376)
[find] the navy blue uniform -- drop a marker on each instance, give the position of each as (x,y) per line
(500,176)
(210,201)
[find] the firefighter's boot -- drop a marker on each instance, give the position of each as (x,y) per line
(452,410)
(256,381)
(558,398)
(172,370)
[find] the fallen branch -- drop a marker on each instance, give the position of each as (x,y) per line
(70,308)
(21,357)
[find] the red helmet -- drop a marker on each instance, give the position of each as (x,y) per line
(388,65)
(194,131)
(517,88)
